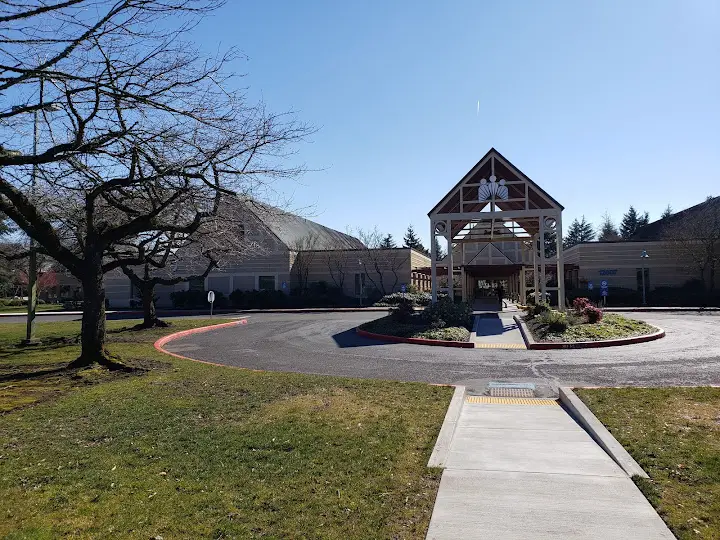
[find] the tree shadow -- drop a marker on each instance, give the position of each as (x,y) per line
(47,344)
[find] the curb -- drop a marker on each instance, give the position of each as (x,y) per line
(599,433)
(447,430)
(530,342)
(662,309)
(160,343)
(416,341)
(181,312)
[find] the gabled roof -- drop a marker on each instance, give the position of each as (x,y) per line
(292,229)
(512,168)
(656,229)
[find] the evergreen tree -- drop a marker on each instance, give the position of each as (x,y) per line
(643,220)
(629,223)
(579,231)
(439,251)
(411,240)
(667,212)
(388,242)
(550,243)
(608,231)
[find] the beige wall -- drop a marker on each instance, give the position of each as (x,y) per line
(619,262)
(339,268)
(271,258)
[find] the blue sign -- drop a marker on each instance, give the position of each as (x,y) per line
(590,286)
(284,285)
(608,272)
(604,292)
(604,284)
(403,288)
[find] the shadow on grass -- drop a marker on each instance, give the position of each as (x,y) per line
(21,373)
(48,344)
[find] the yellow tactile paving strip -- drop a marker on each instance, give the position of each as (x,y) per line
(500,346)
(512,401)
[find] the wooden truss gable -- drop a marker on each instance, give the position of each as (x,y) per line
(492,190)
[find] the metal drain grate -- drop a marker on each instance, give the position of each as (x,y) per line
(512,392)
(512,401)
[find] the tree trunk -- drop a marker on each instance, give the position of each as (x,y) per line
(147,290)
(149,314)
(92,334)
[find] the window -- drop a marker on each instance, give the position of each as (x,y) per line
(359,284)
(266,283)
(639,279)
(197,284)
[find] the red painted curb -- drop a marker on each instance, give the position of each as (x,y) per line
(416,341)
(160,343)
(596,344)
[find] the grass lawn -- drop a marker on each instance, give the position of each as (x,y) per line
(674,434)
(415,328)
(23,308)
(612,326)
(188,450)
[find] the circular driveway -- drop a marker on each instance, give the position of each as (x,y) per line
(325,343)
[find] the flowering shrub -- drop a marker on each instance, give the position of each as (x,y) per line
(579,304)
(592,314)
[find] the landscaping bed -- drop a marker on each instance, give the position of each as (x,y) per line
(612,326)
(674,434)
(584,322)
(416,328)
(445,321)
(188,450)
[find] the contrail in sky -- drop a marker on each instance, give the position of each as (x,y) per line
(478,108)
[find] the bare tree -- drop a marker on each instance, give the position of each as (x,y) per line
(139,134)
(175,258)
(337,262)
(694,238)
(381,261)
(305,250)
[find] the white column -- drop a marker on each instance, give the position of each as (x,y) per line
(450,267)
(463,277)
(543,277)
(560,264)
(536,278)
(523,292)
(433,263)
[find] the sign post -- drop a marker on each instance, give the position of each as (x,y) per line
(604,290)
(211,299)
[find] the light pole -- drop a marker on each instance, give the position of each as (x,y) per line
(644,255)
(361,281)
(32,254)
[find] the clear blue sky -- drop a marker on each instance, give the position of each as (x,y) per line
(604,104)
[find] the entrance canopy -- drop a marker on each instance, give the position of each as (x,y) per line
(494,205)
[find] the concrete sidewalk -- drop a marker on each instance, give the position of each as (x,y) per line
(496,331)
(519,471)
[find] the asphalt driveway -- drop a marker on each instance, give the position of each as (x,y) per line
(325,343)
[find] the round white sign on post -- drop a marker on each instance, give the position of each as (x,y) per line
(211,296)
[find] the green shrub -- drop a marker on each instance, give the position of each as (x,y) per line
(196,300)
(448,313)
(534,310)
(403,310)
(556,321)
(258,299)
(12,302)
(420,299)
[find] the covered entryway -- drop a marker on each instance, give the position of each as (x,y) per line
(501,230)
